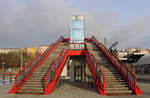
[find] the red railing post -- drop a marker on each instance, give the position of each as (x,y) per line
(26,71)
(119,65)
(100,77)
(52,68)
(135,83)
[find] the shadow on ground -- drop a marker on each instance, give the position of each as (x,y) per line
(82,85)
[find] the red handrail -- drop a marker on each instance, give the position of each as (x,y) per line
(26,66)
(59,39)
(118,60)
(53,44)
(124,65)
(76,43)
(113,59)
(54,65)
(98,67)
(36,57)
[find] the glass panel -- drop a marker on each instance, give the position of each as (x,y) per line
(77,31)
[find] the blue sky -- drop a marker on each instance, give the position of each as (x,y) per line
(34,22)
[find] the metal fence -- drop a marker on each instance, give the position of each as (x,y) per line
(52,69)
(6,79)
(99,72)
(76,46)
(124,70)
(28,68)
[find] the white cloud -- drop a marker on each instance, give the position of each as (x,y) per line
(35,22)
(133,33)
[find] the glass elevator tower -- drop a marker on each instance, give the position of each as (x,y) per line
(77,30)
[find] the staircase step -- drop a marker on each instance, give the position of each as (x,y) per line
(112,76)
(109,69)
(39,73)
(32,87)
(118,89)
(36,76)
(43,68)
(116,83)
(128,92)
(110,72)
(36,80)
(33,83)
(28,85)
(114,80)
(116,86)
(28,91)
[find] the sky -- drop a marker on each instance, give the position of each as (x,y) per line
(39,22)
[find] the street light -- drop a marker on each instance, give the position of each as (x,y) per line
(3,64)
(21,58)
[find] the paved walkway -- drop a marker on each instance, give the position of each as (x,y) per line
(73,91)
(143,77)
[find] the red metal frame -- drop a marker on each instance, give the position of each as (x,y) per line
(136,89)
(75,52)
(67,39)
(15,88)
(86,39)
(100,87)
(103,87)
(52,85)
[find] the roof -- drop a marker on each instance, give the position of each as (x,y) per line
(144,60)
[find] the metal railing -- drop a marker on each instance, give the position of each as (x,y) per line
(30,66)
(26,70)
(124,70)
(76,46)
(50,76)
(60,39)
(6,78)
(99,72)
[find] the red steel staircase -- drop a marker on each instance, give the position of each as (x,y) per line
(30,80)
(110,75)
(115,78)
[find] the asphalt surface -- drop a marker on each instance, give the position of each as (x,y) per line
(75,90)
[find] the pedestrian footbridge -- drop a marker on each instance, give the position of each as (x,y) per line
(110,75)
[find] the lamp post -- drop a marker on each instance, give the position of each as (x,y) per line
(21,58)
(3,69)
(3,64)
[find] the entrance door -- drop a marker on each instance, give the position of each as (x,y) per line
(78,73)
